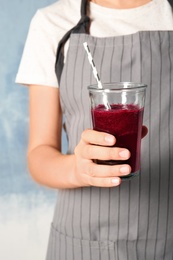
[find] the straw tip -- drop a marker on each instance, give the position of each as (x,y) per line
(85,44)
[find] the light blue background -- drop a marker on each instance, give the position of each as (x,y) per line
(26,208)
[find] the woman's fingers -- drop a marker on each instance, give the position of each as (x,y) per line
(103,182)
(96,145)
(102,171)
(98,138)
(105,153)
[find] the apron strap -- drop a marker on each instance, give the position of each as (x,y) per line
(171,2)
(81,27)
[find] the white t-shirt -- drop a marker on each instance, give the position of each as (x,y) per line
(50,24)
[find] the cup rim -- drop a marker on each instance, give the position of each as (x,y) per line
(118,86)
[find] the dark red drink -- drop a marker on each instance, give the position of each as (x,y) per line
(125,123)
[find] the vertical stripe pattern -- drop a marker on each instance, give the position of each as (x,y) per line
(133,221)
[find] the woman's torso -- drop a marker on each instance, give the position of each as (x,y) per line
(133,221)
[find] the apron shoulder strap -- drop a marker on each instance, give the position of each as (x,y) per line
(171,2)
(81,27)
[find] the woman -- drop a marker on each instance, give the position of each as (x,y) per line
(97,216)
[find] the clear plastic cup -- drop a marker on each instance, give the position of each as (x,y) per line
(123,119)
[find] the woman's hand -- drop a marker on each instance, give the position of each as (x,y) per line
(98,145)
(49,167)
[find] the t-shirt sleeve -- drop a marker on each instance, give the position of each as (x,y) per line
(37,64)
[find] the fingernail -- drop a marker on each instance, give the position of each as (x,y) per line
(109,139)
(124,170)
(115,181)
(124,154)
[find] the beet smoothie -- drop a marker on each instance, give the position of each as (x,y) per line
(125,123)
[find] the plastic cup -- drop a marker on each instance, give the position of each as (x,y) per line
(123,120)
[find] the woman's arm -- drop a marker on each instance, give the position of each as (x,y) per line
(46,163)
(49,167)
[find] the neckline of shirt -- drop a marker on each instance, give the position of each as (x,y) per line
(95,9)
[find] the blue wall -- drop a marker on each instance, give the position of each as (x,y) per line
(25,208)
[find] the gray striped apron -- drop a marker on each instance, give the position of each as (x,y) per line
(135,220)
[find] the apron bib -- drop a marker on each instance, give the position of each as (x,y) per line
(135,220)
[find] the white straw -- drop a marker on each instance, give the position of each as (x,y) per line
(91,61)
(100,86)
